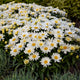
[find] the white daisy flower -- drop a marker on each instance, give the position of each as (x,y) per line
(59,36)
(13,40)
(35,36)
(23,41)
(56,57)
(56,21)
(65,48)
(35,28)
(40,37)
(20,46)
(42,15)
(60,41)
(40,43)
(30,35)
(52,44)
(32,44)
(72,47)
(14,51)
(45,48)
(34,56)
(28,50)
(70,33)
(45,61)
(43,34)
(68,39)
(58,31)
(23,35)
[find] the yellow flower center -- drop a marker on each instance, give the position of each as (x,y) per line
(56,21)
(58,40)
(36,27)
(15,50)
(69,32)
(20,46)
(45,62)
(33,44)
(65,47)
(39,37)
(55,57)
(45,48)
(35,36)
(40,8)
(46,26)
(52,44)
(59,36)
(30,35)
(24,35)
(43,34)
(47,23)
(34,56)
(42,15)
(13,39)
(24,40)
(50,32)
(37,9)
(40,44)
(32,13)
(54,9)
(29,51)
(72,48)
(0,36)
(16,32)
(58,31)
(67,38)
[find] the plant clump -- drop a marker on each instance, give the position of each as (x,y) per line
(34,34)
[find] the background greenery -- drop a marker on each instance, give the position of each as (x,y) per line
(72,7)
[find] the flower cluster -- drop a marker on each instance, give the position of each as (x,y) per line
(44,34)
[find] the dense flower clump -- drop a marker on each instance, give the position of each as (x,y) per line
(37,33)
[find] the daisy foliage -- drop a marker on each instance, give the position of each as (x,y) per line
(38,34)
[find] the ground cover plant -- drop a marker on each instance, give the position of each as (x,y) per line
(38,38)
(29,76)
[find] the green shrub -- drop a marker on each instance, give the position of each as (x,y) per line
(73,8)
(57,3)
